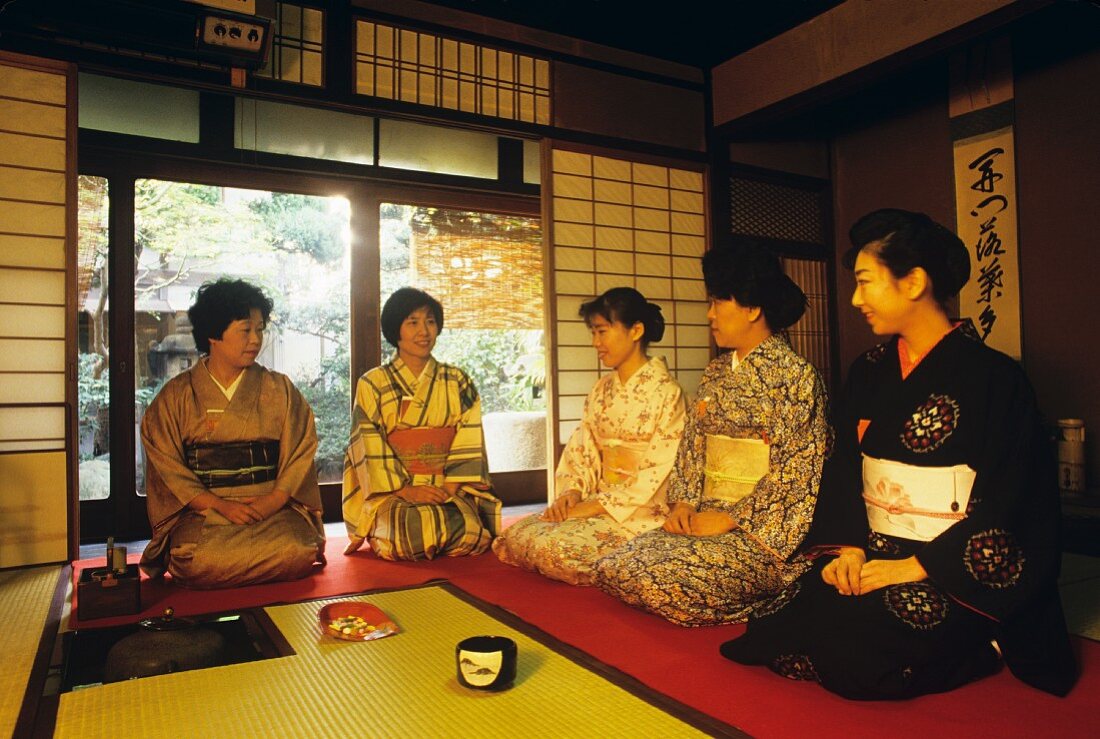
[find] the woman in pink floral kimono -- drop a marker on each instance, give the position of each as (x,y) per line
(611,479)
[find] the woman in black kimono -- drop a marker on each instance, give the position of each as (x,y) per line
(938,506)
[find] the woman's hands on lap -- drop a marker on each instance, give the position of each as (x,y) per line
(423,494)
(266,505)
(843,573)
(851,574)
(238,512)
(559,510)
(878,573)
(711,523)
(685,520)
(679,518)
(586,509)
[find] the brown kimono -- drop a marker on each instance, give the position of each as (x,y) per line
(187,425)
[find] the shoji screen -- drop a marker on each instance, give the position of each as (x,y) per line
(616,222)
(35,149)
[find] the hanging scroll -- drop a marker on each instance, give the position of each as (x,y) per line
(986,211)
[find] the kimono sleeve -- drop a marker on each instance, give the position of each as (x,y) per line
(162,439)
(298,449)
(1007,549)
(778,512)
(580,464)
(377,468)
(466,461)
(659,457)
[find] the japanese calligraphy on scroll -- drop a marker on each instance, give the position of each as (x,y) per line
(986,209)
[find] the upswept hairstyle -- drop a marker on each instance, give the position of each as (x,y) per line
(909,240)
(401,305)
(627,306)
(219,303)
(752,275)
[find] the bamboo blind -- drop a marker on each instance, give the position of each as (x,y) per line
(623,223)
(485,268)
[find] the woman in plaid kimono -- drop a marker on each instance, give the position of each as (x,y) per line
(416,481)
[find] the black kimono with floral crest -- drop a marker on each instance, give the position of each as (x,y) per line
(991,576)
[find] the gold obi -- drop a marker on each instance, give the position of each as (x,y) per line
(914,502)
(734,466)
(423,451)
(620,461)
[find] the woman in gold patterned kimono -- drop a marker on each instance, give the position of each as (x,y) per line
(611,479)
(743,489)
(416,480)
(229,447)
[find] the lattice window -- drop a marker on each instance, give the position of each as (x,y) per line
(297,46)
(810,336)
(791,219)
(425,69)
(775,211)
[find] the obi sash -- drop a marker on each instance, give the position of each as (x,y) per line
(233,464)
(734,466)
(914,502)
(620,462)
(423,450)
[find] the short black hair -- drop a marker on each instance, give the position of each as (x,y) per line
(752,275)
(909,240)
(401,305)
(627,306)
(219,303)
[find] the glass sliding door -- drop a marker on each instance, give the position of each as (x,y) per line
(295,247)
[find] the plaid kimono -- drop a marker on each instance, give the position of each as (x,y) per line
(389,399)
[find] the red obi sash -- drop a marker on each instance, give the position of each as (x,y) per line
(423,451)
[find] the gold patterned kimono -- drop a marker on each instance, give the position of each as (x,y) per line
(437,416)
(204,549)
(772,405)
(620,455)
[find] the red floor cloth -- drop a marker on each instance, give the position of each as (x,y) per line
(682,663)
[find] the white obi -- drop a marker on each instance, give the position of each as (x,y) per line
(914,502)
(620,461)
(734,466)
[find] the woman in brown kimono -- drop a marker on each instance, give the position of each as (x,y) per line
(229,447)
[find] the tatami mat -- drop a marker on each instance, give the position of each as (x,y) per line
(400,686)
(25,597)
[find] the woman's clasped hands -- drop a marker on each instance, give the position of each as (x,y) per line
(684,519)
(570,505)
(428,493)
(851,574)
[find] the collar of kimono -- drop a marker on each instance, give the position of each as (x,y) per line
(904,362)
(406,374)
(651,367)
(735,360)
(228,392)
